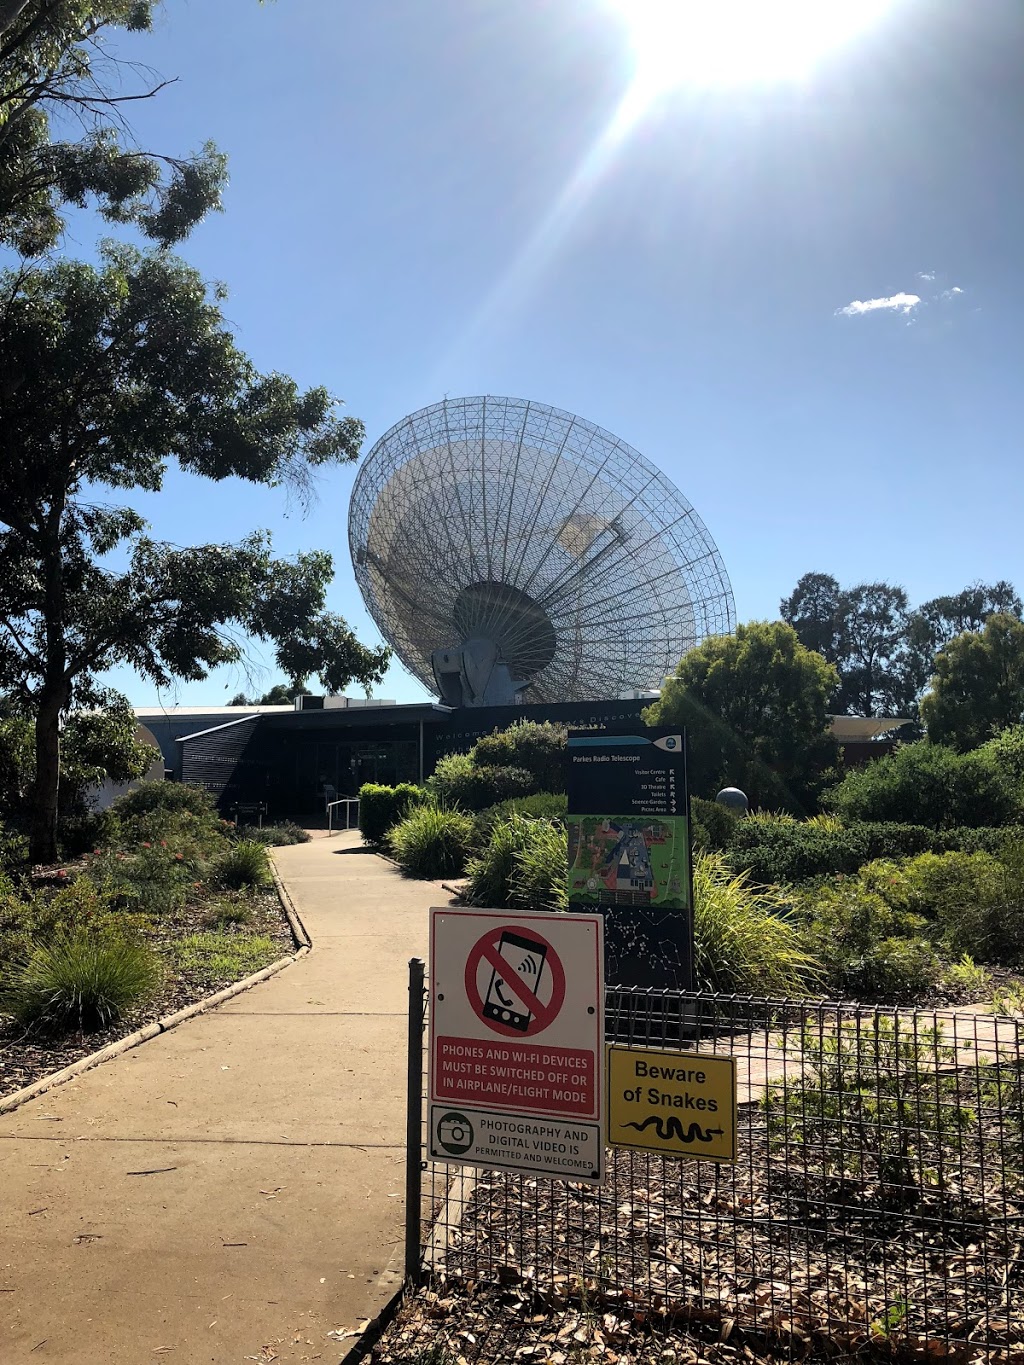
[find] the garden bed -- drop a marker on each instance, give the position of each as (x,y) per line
(195,964)
(680,1262)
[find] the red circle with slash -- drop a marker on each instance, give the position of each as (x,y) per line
(485,949)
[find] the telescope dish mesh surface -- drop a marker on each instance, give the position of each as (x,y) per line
(510,521)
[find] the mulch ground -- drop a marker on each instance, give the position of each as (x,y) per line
(26,1058)
(778,1257)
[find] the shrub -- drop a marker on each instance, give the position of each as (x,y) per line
(276,836)
(246,864)
(228,913)
(538,749)
(458,781)
(79,980)
(432,842)
(491,873)
(774,851)
(1006,753)
(717,823)
(926,784)
(539,868)
(539,806)
(885,1086)
(173,797)
(779,852)
(38,916)
(870,950)
(381,807)
(743,937)
(150,878)
(965,979)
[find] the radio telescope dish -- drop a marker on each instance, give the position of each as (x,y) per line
(509,551)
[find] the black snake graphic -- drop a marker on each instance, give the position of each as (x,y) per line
(673,1128)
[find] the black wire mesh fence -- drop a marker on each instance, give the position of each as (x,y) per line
(876,1204)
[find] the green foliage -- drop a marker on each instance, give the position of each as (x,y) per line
(382,807)
(170,815)
(782,852)
(540,868)
(79,979)
(103,418)
(872,1098)
(862,631)
(30,916)
(216,958)
(935,624)
(228,912)
(540,806)
(172,797)
(458,781)
(246,864)
(926,784)
(870,950)
(57,76)
(539,749)
(95,745)
(1005,752)
(754,706)
(491,872)
(977,900)
(275,836)
(717,821)
(978,685)
(432,842)
(744,939)
(965,979)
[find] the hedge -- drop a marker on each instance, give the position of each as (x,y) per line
(927,784)
(781,852)
(381,807)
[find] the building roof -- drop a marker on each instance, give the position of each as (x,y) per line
(184,712)
(854,729)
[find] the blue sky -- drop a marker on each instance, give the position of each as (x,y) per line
(416,208)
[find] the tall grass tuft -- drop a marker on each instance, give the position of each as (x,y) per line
(539,880)
(79,980)
(743,938)
(432,842)
(491,873)
(246,864)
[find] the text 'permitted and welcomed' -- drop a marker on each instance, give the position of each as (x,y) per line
(516,1041)
(672,1103)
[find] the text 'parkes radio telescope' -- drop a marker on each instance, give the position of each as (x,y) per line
(509,551)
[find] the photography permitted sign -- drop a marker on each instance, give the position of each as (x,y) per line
(514,1142)
(673,1103)
(516,1040)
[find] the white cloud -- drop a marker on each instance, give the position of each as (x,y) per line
(895,303)
(951,293)
(926,275)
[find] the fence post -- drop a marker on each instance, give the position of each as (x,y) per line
(414,1124)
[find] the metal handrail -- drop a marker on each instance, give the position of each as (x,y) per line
(348,802)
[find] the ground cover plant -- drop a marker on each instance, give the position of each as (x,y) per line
(170,905)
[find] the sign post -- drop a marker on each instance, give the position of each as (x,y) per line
(516,1079)
(629,851)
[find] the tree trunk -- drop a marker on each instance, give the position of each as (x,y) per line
(46,787)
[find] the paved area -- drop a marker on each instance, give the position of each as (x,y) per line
(232,1190)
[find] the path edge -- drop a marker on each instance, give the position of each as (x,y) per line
(170,1021)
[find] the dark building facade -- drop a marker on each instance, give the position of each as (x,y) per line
(284,759)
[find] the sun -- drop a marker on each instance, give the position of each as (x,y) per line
(726,42)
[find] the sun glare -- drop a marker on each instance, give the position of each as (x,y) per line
(719,42)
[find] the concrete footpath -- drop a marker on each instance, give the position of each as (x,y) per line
(232,1190)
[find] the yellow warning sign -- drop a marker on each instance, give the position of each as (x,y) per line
(676,1103)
